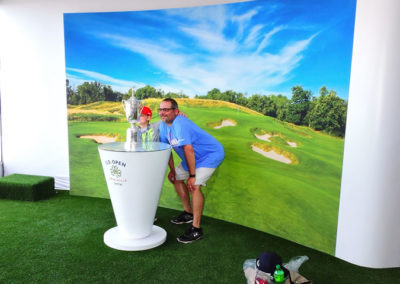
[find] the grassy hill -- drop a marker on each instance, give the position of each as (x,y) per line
(297,201)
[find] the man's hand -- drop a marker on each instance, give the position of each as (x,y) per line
(171,176)
(190,184)
(181,113)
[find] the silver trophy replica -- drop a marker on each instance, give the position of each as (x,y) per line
(133,109)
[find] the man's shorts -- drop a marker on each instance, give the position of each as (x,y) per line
(202,174)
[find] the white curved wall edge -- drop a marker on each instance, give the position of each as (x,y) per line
(368,228)
(32,76)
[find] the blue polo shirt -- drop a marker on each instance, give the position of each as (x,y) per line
(208,152)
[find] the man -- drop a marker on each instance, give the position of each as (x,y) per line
(200,153)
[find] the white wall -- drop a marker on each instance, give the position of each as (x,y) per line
(34,121)
(32,84)
(368,227)
(32,77)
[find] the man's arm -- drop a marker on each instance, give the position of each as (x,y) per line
(191,163)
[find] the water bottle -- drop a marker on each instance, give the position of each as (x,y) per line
(279,275)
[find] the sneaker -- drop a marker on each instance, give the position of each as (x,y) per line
(183,218)
(191,235)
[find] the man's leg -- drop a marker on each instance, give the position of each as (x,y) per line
(198,204)
(183,193)
(194,233)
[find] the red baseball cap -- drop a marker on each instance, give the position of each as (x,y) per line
(146,111)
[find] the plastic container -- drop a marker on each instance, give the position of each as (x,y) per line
(263,277)
(295,263)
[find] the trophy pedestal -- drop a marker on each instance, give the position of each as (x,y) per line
(115,240)
(134,179)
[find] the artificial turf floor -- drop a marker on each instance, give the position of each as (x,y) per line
(60,240)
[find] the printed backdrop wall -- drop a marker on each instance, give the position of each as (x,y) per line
(268,79)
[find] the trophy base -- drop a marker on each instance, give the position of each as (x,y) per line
(115,240)
(131,146)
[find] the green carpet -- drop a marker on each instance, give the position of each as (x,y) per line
(60,240)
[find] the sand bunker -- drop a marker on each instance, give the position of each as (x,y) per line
(226,122)
(266,137)
(272,155)
(99,139)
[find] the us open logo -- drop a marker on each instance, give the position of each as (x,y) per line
(116,172)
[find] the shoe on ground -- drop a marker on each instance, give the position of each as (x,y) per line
(183,218)
(191,235)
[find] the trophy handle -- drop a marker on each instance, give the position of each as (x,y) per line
(123,105)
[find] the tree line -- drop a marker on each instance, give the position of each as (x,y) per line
(90,92)
(327,112)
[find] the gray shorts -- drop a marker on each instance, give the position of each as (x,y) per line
(202,174)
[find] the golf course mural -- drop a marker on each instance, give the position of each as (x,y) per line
(267,79)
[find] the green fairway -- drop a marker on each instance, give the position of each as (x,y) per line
(296,201)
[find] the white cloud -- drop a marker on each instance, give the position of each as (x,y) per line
(87,75)
(242,64)
(210,40)
(211,16)
(243,21)
(253,36)
(267,38)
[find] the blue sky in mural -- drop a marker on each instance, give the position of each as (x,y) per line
(264,47)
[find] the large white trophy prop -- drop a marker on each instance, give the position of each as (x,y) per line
(134,177)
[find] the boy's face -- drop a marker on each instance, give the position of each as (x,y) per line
(144,119)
